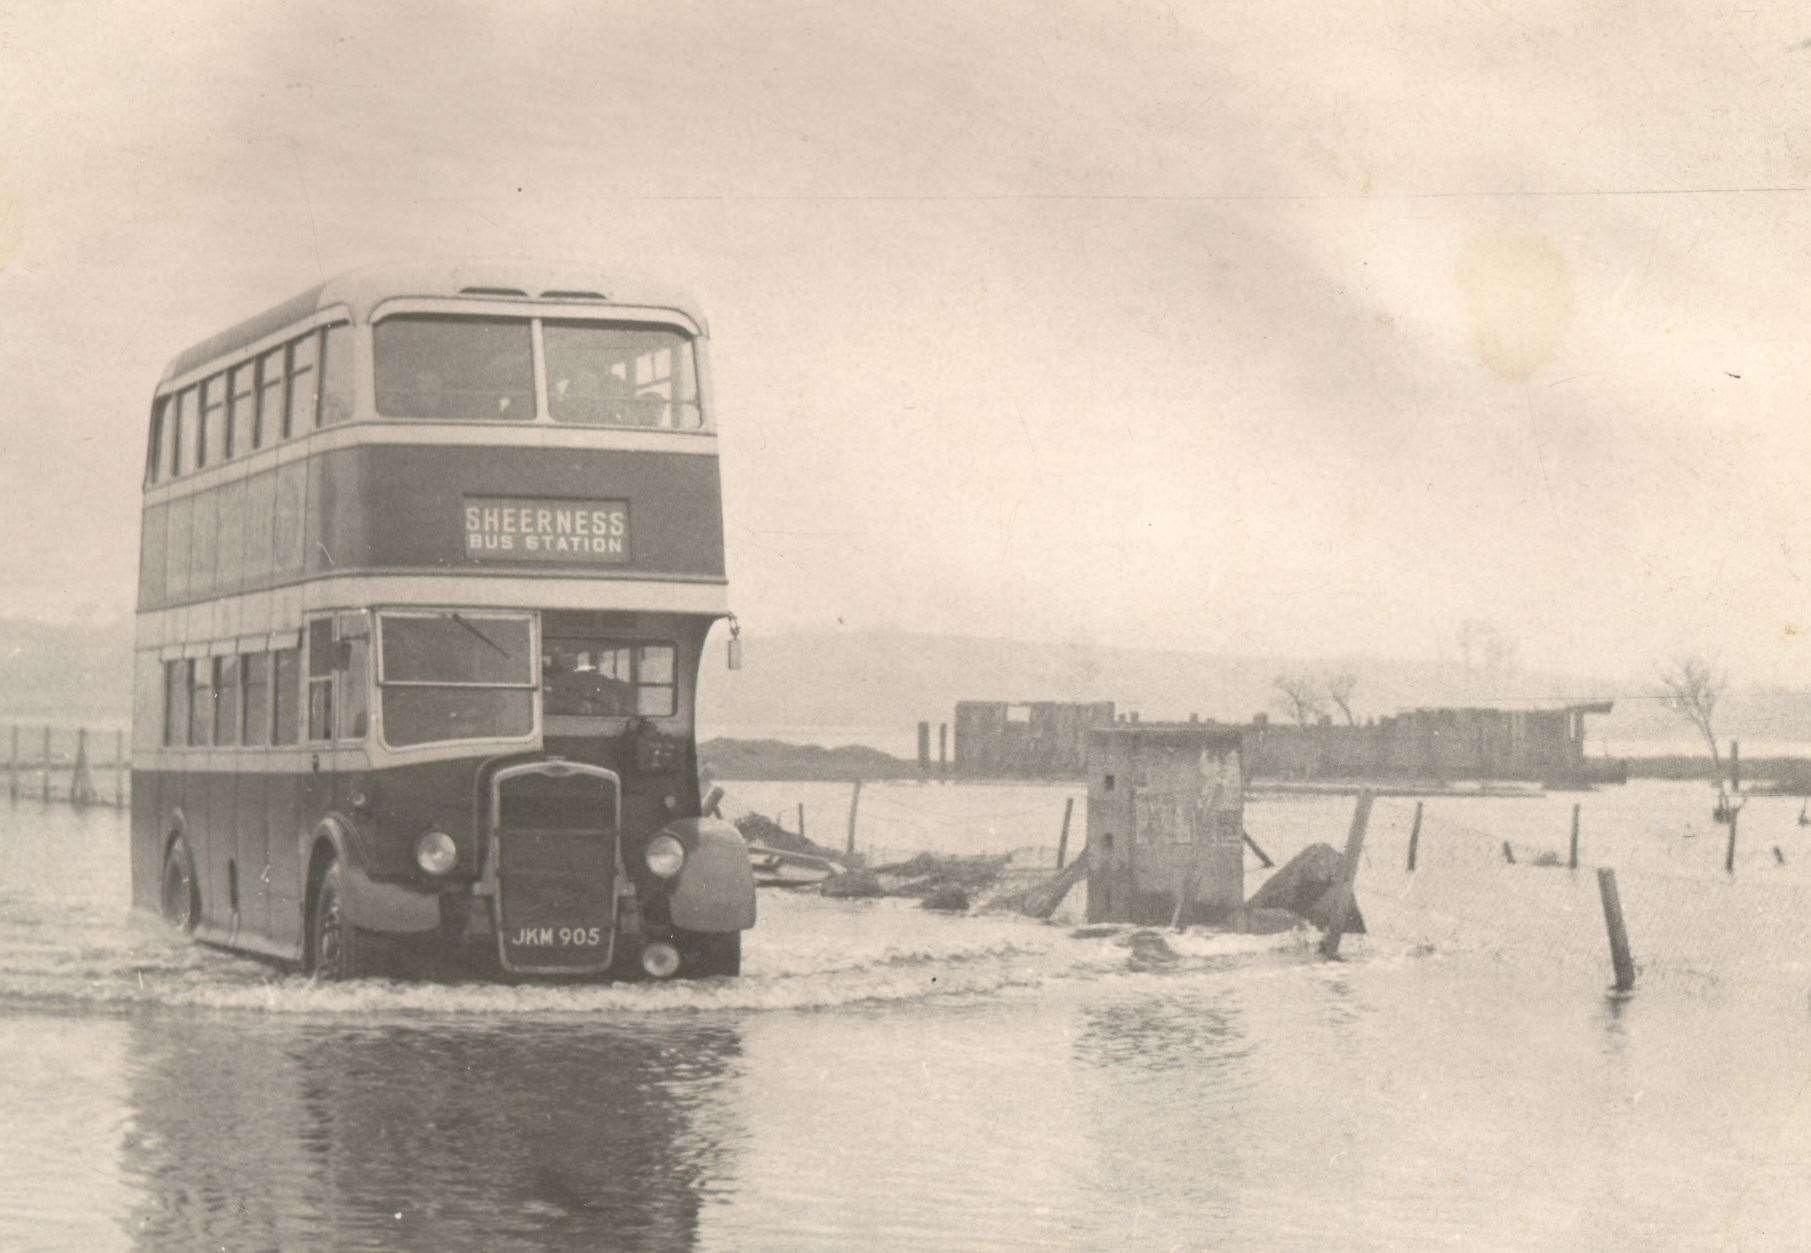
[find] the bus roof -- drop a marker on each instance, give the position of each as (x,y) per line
(363,289)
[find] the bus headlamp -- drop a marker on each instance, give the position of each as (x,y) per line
(435,852)
(665,856)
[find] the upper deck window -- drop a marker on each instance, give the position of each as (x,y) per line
(455,368)
(270,398)
(187,455)
(242,411)
(304,385)
(621,374)
(212,449)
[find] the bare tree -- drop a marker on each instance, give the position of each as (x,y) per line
(1340,686)
(1299,698)
(1691,688)
(1483,645)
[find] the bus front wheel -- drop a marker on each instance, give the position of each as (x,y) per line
(177,899)
(336,948)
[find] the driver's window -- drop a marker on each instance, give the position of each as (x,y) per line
(602,678)
(320,679)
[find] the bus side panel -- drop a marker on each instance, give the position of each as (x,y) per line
(253,840)
(147,737)
(209,823)
(149,824)
(288,846)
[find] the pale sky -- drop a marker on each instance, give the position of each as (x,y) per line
(1244,327)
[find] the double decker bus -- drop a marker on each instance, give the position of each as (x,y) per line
(430,554)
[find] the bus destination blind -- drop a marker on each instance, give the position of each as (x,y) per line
(509,528)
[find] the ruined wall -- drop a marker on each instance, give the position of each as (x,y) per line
(1538,745)
(1034,740)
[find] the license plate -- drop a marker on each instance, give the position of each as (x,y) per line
(556,937)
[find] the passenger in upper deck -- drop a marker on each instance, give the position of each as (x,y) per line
(586,397)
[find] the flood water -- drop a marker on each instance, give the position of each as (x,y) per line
(888,1077)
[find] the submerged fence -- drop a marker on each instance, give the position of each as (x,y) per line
(1517,877)
(72,765)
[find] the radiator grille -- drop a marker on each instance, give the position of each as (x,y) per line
(556,870)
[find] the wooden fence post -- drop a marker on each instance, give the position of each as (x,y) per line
(943,746)
(1572,857)
(81,780)
(854,806)
(1415,836)
(1062,842)
(1355,843)
(1508,853)
(1619,937)
(1253,846)
(801,820)
(924,751)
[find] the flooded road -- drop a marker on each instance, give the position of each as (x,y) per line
(894,1078)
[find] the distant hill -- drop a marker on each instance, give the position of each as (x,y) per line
(853,684)
(872,679)
(65,673)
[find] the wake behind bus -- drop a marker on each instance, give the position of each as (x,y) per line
(430,555)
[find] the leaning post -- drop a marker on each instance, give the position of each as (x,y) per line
(854,805)
(1415,836)
(81,780)
(1355,844)
(1619,936)
(1253,846)
(1062,841)
(1572,857)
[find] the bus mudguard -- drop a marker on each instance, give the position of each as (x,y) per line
(716,888)
(373,906)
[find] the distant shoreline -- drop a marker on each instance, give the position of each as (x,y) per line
(729,758)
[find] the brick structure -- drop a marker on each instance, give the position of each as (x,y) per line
(1166,821)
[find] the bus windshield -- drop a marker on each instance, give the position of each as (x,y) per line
(448,675)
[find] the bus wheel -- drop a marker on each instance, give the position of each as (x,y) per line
(177,898)
(706,953)
(336,948)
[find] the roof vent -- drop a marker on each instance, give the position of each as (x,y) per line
(491,291)
(573,295)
